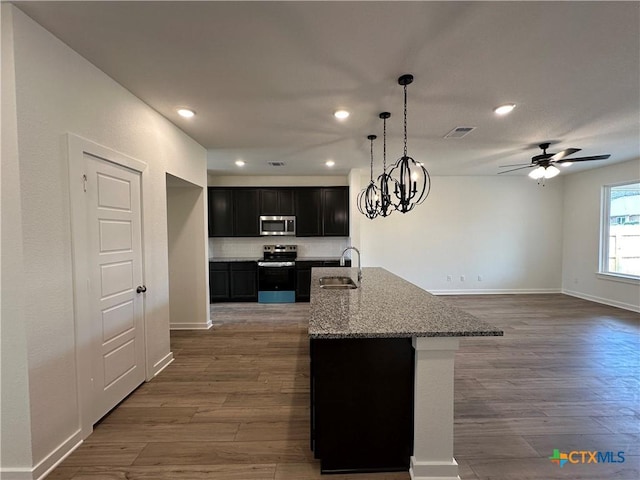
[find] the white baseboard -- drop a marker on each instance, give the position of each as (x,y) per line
(498,291)
(55,458)
(604,301)
(162,364)
(191,326)
(16,474)
(47,464)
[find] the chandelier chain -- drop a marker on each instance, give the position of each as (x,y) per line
(384,145)
(371,177)
(405,120)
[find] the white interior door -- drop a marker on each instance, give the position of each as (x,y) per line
(116,292)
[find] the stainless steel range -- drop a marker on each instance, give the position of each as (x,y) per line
(277,274)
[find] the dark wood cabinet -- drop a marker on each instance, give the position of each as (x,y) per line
(362,404)
(243,281)
(246,205)
(276,201)
(220,212)
(319,211)
(219,290)
(335,212)
(308,201)
(233,282)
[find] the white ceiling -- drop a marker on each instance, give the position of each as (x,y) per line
(266,77)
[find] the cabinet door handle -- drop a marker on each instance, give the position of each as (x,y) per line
(141,289)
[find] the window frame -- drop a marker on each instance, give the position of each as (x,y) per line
(603,261)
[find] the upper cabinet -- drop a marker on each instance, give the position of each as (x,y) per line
(322,211)
(220,212)
(246,205)
(276,201)
(233,212)
(308,211)
(319,211)
(335,212)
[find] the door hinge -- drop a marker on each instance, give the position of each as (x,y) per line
(84,182)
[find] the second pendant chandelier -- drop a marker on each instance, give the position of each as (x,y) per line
(412,183)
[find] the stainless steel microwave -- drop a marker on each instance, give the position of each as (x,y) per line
(277,225)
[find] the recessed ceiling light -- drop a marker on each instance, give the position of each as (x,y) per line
(504,109)
(186,112)
(330,163)
(566,164)
(240,163)
(341,114)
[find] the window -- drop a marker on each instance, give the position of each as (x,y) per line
(620,244)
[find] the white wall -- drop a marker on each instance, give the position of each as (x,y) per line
(188,305)
(581,246)
(276,181)
(506,229)
(57,91)
(15,418)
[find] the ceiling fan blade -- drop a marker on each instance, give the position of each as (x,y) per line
(516,165)
(519,168)
(564,153)
(585,159)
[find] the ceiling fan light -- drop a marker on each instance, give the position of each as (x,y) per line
(537,173)
(551,171)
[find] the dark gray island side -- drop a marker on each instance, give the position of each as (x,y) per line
(382,375)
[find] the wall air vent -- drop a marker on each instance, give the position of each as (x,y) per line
(276,164)
(459,132)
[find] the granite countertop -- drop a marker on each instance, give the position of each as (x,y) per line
(385,305)
(235,259)
(318,259)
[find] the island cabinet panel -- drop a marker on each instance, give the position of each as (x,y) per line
(362,404)
(276,201)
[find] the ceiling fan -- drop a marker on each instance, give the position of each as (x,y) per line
(545,162)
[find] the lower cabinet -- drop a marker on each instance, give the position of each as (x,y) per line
(243,281)
(233,282)
(218,282)
(362,404)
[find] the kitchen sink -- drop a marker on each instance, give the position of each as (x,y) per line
(337,282)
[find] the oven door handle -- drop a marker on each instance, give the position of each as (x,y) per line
(276,264)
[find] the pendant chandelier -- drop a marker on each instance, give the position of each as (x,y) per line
(411,180)
(368,198)
(386,184)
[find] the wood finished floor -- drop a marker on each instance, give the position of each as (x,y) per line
(234,403)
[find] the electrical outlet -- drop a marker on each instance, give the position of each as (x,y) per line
(462,278)
(479,278)
(449,278)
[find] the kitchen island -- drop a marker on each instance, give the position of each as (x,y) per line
(382,359)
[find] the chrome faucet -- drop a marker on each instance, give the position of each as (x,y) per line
(359,264)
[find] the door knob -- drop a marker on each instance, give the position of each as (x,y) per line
(141,289)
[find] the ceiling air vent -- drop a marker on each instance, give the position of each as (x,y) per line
(459,132)
(276,164)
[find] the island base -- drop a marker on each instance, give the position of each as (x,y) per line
(362,404)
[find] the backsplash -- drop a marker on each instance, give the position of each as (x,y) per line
(252,247)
